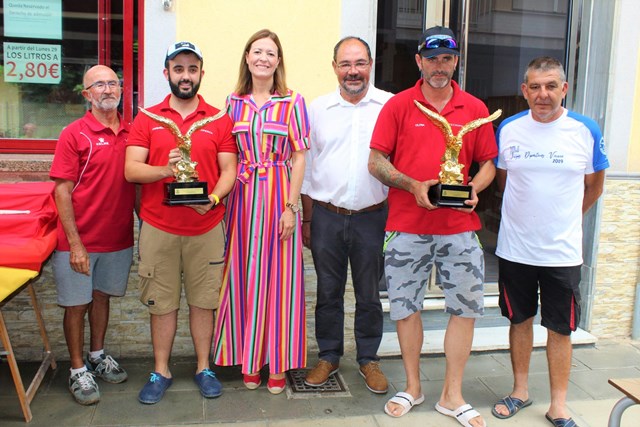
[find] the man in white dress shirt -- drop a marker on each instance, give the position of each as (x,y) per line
(344,214)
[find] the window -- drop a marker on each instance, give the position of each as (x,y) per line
(400,24)
(47,47)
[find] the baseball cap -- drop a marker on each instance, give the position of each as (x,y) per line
(179,47)
(436,41)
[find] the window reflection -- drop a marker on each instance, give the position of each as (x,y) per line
(400,25)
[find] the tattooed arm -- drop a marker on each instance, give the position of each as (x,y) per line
(382,169)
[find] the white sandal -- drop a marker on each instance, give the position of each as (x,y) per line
(405,400)
(463,414)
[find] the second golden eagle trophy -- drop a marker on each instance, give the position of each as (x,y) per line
(451,191)
(185,189)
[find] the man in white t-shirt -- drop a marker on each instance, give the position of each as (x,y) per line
(344,214)
(551,167)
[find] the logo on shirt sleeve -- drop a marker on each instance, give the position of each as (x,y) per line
(601,145)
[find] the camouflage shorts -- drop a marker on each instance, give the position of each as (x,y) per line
(459,261)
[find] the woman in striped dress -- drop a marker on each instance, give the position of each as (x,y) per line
(261,319)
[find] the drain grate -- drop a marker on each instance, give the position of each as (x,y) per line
(334,387)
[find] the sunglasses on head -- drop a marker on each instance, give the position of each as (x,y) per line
(434,42)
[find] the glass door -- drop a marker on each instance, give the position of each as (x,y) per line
(400,24)
(498,39)
(502,37)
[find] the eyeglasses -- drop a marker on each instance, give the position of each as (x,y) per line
(101,86)
(346,66)
(434,42)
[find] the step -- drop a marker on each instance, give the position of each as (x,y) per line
(484,339)
(430,304)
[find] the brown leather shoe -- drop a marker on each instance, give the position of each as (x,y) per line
(374,378)
(321,373)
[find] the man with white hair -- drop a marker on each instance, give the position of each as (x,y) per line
(95,229)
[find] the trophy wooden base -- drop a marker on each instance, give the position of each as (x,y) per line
(450,195)
(186,193)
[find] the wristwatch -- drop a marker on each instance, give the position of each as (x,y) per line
(294,207)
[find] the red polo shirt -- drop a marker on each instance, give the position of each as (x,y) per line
(415,147)
(92,156)
(206,143)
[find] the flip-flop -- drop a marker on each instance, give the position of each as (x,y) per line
(405,400)
(561,422)
(463,414)
(513,405)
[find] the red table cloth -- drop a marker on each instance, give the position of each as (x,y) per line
(28,219)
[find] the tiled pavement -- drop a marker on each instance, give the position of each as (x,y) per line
(487,377)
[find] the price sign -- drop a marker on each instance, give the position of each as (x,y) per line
(32,63)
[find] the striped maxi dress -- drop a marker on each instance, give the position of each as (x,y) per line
(261,318)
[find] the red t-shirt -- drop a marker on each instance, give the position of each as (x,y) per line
(206,143)
(415,147)
(92,156)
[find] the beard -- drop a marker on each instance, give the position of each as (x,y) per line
(439,79)
(106,102)
(351,90)
(175,89)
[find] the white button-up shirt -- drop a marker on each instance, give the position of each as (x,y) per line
(336,163)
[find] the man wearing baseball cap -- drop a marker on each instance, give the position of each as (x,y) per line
(181,245)
(406,154)
(182,47)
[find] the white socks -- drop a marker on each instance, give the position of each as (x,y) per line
(95,355)
(77,371)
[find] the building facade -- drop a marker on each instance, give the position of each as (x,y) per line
(598,41)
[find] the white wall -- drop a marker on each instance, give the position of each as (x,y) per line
(624,79)
(359,18)
(159,32)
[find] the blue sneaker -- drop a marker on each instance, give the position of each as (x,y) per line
(208,383)
(154,389)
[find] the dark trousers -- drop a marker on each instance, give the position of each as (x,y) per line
(336,241)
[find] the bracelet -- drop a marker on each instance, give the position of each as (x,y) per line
(216,199)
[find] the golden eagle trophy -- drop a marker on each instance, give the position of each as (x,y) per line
(185,189)
(450,191)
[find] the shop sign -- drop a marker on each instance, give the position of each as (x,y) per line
(32,63)
(36,19)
